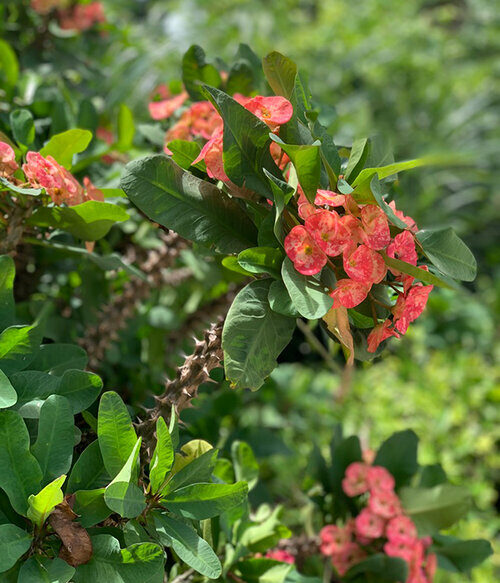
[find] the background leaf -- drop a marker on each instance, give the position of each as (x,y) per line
(63,146)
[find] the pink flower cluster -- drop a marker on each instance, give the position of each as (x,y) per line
(335,226)
(82,16)
(47,173)
(381,526)
(280,555)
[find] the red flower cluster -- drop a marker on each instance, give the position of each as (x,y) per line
(280,555)
(381,526)
(40,172)
(357,235)
(81,16)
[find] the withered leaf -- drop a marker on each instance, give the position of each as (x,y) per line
(76,546)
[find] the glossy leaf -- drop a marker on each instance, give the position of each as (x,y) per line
(198,469)
(54,445)
(195,71)
(137,563)
(194,208)
(163,457)
(20,473)
(201,501)
(261,260)
(18,345)
(115,431)
(448,253)
(57,358)
(126,128)
(398,454)
(418,273)
(41,505)
(80,387)
(88,221)
(91,507)
(280,72)
(23,127)
(307,294)
(185,153)
(63,146)
(41,569)
(460,556)
(379,568)
(246,467)
(8,395)
(189,547)
(253,336)
(89,472)
(359,153)
(280,300)
(14,542)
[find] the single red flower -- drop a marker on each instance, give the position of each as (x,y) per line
(274,110)
(365,265)
(328,232)
(349,293)
(307,256)
(375,232)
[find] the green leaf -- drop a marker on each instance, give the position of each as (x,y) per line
(185,153)
(375,193)
(344,452)
(57,358)
(126,128)
(8,395)
(89,472)
(246,468)
(307,162)
(91,507)
(231,262)
(141,562)
(280,72)
(18,189)
(186,543)
(246,144)
(123,495)
(195,71)
(418,273)
(199,469)
(448,253)
(398,454)
(240,79)
(280,300)
(41,505)
(329,153)
(379,568)
(194,208)
(54,445)
(431,476)
(263,570)
(359,153)
(22,125)
(80,387)
(14,542)
(9,66)
(433,509)
(117,438)
(41,569)
(65,145)
(20,473)
(201,501)
(281,193)
(261,260)
(163,457)
(7,306)
(460,556)
(32,388)
(307,294)
(88,221)
(18,345)
(253,336)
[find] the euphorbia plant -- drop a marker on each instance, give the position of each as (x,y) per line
(261,181)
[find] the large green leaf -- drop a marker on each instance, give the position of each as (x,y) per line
(91,507)
(246,467)
(198,470)
(185,153)
(80,387)
(89,472)
(460,556)
(65,145)
(8,395)
(194,208)
(14,542)
(359,153)
(246,144)
(18,345)
(54,445)
(7,306)
(20,473)
(448,253)
(41,569)
(201,501)
(379,568)
(196,71)
(253,336)
(398,454)
(186,543)
(433,509)
(115,431)
(163,457)
(56,358)
(89,220)
(23,127)
(261,260)
(123,495)
(32,388)
(141,562)
(280,72)
(307,294)
(41,505)
(344,452)
(307,162)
